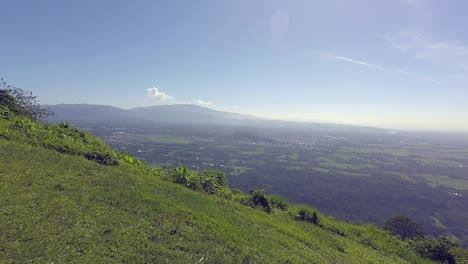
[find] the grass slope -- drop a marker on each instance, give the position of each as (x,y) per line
(64,208)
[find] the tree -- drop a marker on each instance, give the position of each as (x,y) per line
(21,102)
(404,227)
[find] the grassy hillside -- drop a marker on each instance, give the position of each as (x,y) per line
(67,198)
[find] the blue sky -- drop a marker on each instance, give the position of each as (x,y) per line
(388,63)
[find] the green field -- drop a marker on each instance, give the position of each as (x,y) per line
(330,163)
(167,139)
(435,180)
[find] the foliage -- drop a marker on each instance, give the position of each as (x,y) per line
(66,139)
(21,102)
(278,202)
(209,181)
(258,199)
(404,227)
(308,215)
(212,181)
(435,249)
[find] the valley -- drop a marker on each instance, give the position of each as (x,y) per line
(362,176)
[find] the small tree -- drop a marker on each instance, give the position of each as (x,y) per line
(21,102)
(404,227)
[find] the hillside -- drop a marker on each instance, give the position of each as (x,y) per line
(68,198)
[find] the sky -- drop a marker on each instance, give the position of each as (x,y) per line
(399,64)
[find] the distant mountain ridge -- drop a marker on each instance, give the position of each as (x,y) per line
(182,113)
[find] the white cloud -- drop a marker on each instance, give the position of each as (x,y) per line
(370,65)
(204,103)
(164,97)
(161,96)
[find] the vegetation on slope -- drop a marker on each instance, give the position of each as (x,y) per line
(67,209)
(67,198)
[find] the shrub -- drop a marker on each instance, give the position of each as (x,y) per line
(278,202)
(435,249)
(212,181)
(308,215)
(258,198)
(209,181)
(105,159)
(237,191)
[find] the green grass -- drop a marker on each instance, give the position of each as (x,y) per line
(64,208)
(167,139)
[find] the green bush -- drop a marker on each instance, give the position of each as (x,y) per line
(259,199)
(308,215)
(278,202)
(66,139)
(104,159)
(435,249)
(209,181)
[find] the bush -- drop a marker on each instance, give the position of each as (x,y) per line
(308,215)
(278,202)
(259,199)
(212,181)
(435,249)
(105,159)
(209,181)
(237,191)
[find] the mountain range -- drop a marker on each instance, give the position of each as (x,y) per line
(183,114)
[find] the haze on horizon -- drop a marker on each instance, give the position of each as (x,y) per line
(399,64)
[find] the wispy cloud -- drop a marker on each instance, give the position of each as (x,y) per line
(161,96)
(370,65)
(447,53)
